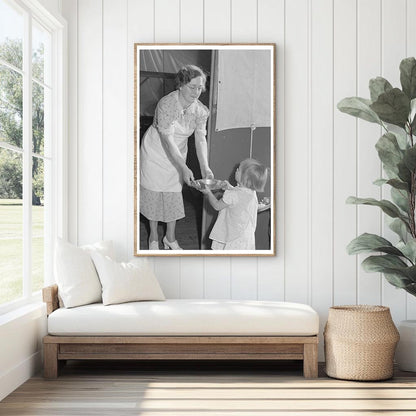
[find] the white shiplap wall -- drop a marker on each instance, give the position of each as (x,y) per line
(326,50)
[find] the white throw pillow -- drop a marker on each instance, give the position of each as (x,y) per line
(75,273)
(103,247)
(126,282)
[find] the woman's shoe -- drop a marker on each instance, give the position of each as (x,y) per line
(171,245)
(153,245)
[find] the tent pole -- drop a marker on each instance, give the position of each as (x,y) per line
(252,128)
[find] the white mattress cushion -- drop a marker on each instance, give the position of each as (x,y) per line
(187,317)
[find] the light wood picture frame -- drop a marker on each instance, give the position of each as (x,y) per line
(239,97)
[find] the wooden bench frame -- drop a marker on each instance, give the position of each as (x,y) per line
(58,349)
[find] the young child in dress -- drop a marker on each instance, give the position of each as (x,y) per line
(237,218)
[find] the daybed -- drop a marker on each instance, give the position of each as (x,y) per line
(180,329)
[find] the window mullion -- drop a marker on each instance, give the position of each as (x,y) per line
(28,269)
(27,157)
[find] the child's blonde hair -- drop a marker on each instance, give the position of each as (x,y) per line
(253,174)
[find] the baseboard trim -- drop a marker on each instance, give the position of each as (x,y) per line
(10,380)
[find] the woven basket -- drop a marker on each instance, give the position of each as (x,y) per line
(360,341)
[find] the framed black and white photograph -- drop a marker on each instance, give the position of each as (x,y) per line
(204,150)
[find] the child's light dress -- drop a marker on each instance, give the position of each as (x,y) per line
(236,224)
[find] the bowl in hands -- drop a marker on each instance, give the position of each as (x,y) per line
(212,184)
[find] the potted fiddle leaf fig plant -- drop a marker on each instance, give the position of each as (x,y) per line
(394,109)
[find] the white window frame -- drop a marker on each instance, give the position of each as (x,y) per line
(58,211)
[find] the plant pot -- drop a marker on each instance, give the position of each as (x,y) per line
(406,349)
(360,341)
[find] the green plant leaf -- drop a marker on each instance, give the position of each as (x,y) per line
(412,109)
(398,156)
(408,77)
(411,289)
(390,173)
(381,263)
(396,271)
(398,184)
(366,243)
(409,158)
(397,280)
(408,249)
(359,107)
(392,107)
(400,198)
(378,86)
(412,116)
(407,274)
(400,228)
(380,182)
(401,139)
(396,162)
(395,183)
(410,272)
(388,207)
(404,173)
(389,151)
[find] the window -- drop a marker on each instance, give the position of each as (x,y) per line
(31,62)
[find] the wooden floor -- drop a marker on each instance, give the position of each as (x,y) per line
(221,389)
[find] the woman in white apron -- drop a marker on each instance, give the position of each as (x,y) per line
(163,153)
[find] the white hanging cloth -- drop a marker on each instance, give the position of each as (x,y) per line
(244,89)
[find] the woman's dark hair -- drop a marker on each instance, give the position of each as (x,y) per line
(188,73)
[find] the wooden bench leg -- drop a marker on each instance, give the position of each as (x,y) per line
(310,360)
(50,360)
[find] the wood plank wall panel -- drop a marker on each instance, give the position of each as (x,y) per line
(393,26)
(70,11)
(217,283)
(115,156)
(411,51)
(217,29)
(244,278)
(368,163)
(192,278)
(271,29)
(297,147)
(139,31)
(136,33)
(244,30)
(345,152)
(192,21)
(326,50)
(90,127)
(167,21)
(191,31)
(217,21)
(321,155)
(244,20)
(167,30)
